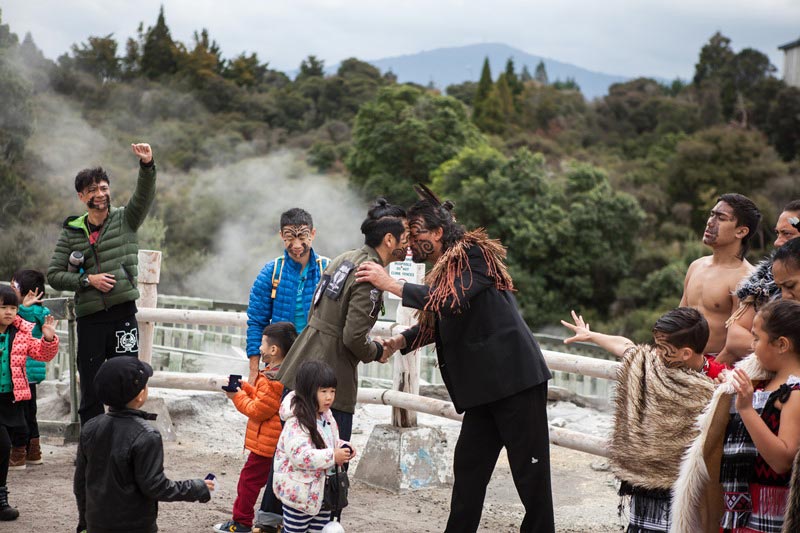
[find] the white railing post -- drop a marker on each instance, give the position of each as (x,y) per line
(149,276)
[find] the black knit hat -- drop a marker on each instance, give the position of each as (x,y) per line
(120,379)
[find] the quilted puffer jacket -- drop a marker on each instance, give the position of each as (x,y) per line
(260,402)
(23,345)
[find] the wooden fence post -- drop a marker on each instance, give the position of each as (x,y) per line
(149,276)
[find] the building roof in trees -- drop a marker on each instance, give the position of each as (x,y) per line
(788,46)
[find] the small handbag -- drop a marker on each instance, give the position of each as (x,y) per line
(336,487)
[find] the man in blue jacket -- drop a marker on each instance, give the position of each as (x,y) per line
(282,292)
(285,286)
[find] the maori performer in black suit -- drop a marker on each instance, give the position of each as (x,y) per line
(490,362)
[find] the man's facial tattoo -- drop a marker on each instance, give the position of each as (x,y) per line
(421,248)
(93,205)
(297,236)
(399,253)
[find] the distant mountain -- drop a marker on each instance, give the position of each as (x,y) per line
(446,66)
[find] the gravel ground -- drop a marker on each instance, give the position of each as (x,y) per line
(209,436)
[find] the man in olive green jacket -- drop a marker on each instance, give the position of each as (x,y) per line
(102,270)
(343,312)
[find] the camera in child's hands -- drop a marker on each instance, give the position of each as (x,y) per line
(233,383)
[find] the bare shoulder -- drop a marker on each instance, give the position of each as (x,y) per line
(699,263)
(746,268)
(738,274)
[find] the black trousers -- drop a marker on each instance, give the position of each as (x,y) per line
(98,341)
(5,454)
(519,423)
(22,436)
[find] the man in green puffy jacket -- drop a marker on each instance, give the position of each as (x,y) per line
(105,282)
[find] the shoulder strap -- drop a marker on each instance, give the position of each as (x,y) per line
(322,264)
(276,276)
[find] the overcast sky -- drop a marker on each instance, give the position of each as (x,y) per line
(625,37)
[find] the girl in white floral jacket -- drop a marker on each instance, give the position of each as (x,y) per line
(308,449)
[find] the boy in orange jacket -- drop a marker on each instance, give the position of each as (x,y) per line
(260,402)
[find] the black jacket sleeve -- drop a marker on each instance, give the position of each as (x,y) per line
(148,460)
(79,486)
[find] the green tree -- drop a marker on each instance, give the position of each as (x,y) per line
(569,240)
(569,85)
(204,62)
(98,57)
(355,83)
(513,81)
(402,136)
(311,67)
(526,74)
(719,160)
(485,86)
(246,70)
(131,63)
(714,59)
(464,92)
(159,54)
(541,73)
(784,123)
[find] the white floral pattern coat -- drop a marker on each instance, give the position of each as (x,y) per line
(300,467)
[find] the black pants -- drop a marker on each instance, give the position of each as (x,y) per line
(98,341)
(5,454)
(22,436)
(519,423)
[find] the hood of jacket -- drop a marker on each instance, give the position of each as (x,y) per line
(285,411)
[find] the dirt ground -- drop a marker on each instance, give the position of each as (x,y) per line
(209,436)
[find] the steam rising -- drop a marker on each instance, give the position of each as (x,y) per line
(254,193)
(250,193)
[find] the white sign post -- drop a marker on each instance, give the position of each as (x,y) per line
(406,367)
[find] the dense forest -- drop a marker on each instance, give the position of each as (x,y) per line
(601,204)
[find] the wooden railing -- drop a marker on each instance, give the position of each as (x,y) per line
(403,396)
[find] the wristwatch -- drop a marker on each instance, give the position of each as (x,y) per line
(85,282)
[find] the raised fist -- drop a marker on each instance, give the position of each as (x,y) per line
(143,152)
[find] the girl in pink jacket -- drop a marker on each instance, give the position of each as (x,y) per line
(16,345)
(308,449)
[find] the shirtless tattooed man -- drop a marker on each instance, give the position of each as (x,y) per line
(711,281)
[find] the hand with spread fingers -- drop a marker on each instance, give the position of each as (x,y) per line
(33,297)
(581,330)
(49,328)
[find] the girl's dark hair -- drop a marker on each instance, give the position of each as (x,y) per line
(684,327)
(8,296)
(311,376)
(434,215)
(29,280)
(281,334)
(781,318)
(383,218)
(789,254)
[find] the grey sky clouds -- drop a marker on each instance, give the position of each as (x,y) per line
(625,37)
